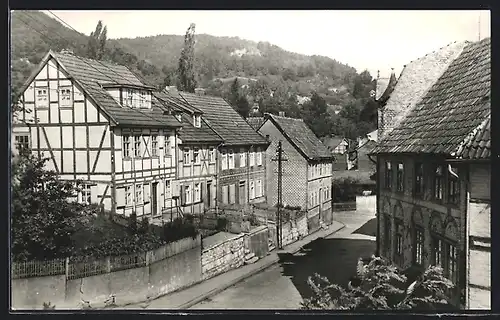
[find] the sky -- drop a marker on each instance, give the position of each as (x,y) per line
(364,39)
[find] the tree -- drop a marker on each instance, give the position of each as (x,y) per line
(234,93)
(187,81)
(43,219)
(243,106)
(97,42)
(381,286)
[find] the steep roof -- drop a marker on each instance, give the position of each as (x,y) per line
(301,137)
(92,75)
(190,133)
(477,145)
(449,116)
(332,142)
(224,120)
(255,122)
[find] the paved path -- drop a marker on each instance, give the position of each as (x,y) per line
(284,285)
(188,297)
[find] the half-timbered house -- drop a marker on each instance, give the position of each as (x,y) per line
(434,171)
(241,172)
(97,122)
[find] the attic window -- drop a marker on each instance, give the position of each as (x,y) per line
(197,121)
(41,97)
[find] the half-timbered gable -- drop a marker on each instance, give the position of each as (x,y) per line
(75,113)
(433,164)
(307,171)
(241,180)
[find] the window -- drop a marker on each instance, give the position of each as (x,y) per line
(232,193)
(167,146)
(187,156)
(398,244)
(187,194)
(437,251)
(211,155)
(231,159)
(387,234)
(178,116)
(137,146)
(42,97)
(168,189)
(197,121)
(419,246)
(22,142)
(126,146)
(419,179)
(138,194)
(142,100)
(388,175)
(86,195)
(197,192)
(196,155)
(128,195)
(252,158)
(130,98)
(252,190)
(311,200)
(243,158)
(154,145)
(438,182)
(453,186)
(259,188)
(224,159)
(451,265)
(400,177)
(225,194)
(65,97)
(259,157)
(321,169)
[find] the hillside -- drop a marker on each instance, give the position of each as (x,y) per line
(276,78)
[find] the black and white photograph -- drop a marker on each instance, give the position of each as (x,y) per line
(184,160)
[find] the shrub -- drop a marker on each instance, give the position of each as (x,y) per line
(132,222)
(222,223)
(178,229)
(345,189)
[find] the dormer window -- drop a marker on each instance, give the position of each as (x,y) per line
(143,103)
(178,116)
(197,120)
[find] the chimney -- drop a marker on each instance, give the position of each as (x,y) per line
(199,91)
(281,113)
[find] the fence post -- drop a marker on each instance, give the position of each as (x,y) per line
(66,266)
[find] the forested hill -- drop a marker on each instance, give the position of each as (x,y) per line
(266,69)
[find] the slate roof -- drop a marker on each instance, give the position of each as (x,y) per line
(449,116)
(223,120)
(301,137)
(91,75)
(255,122)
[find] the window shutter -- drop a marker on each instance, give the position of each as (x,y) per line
(120,197)
(146,193)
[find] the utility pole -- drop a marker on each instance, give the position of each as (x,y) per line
(279,158)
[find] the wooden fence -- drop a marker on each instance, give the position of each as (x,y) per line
(81,267)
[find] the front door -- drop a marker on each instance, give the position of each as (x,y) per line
(209,193)
(154,198)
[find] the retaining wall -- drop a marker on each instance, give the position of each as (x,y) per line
(223,256)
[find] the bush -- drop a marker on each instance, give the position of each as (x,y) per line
(222,223)
(178,229)
(345,189)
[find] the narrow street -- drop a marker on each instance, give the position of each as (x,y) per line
(284,285)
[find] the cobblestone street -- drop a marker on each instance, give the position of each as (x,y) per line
(284,285)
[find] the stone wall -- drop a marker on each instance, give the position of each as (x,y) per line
(257,241)
(292,230)
(223,256)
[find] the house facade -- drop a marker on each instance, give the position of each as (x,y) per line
(307,171)
(98,123)
(241,158)
(433,170)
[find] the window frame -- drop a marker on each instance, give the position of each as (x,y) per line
(259,157)
(22,145)
(139,190)
(419,246)
(186,156)
(167,146)
(438,179)
(196,156)
(86,193)
(243,158)
(137,146)
(188,195)
(258,188)
(453,190)
(42,103)
(252,190)
(400,177)
(230,159)
(197,121)
(437,250)
(211,155)
(419,180)
(154,146)
(197,192)
(398,241)
(388,173)
(224,160)
(126,146)
(252,158)
(130,98)
(129,199)
(65,103)
(168,189)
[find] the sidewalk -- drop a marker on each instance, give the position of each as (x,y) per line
(188,297)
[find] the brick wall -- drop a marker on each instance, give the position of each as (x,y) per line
(294,170)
